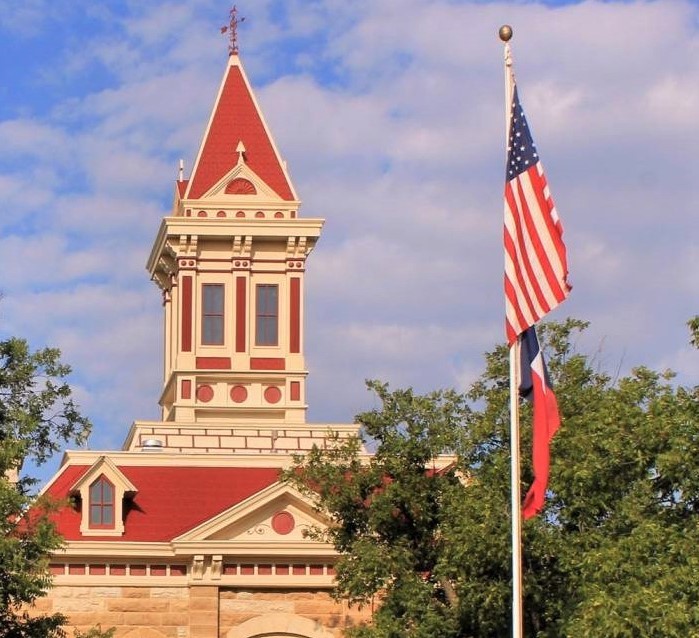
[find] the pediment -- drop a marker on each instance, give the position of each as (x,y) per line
(241,184)
(276,515)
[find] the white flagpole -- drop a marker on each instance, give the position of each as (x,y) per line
(515,496)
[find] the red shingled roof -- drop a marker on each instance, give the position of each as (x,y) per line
(170,500)
(237,119)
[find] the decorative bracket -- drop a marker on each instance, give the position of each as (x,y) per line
(216,567)
(198,567)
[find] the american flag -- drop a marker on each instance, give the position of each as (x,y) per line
(536,268)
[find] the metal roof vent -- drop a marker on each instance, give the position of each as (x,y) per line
(152,445)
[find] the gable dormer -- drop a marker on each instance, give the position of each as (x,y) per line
(102,490)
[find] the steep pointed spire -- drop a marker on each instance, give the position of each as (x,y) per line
(237,120)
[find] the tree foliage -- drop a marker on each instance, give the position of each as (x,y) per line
(37,416)
(615,553)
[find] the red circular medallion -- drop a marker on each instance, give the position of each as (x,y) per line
(283,523)
(238,394)
(273,394)
(205,393)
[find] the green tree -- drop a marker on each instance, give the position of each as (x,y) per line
(693,324)
(37,416)
(615,553)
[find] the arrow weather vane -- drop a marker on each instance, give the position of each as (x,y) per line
(232,29)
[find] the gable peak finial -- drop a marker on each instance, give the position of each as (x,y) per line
(232,29)
(240,149)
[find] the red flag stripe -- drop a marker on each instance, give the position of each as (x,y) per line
(534,254)
(523,254)
(514,277)
(523,257)
(552,223)
(540,240)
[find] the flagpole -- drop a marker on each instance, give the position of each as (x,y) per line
(515,496)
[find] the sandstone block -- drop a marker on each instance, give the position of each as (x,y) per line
(203,592)
(180,604)
(258,606)
(68,605)
(180,618)
(204,604)
(169,592)
(145,619)
(41,605)
(138,604)
(203,618)
(135,592)
(315,607)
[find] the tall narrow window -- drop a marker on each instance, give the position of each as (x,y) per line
(267,315)
(102,503)
(212,315)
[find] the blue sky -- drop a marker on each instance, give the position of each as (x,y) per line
(390,115)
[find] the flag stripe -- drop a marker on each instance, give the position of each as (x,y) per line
(515,275)
(523,257)
(522,254)
(554,228)
(535,255)
(540,242)
(523,305)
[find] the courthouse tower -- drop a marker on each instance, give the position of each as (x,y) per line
(186,532)
(231,261)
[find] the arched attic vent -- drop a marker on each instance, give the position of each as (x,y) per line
(240,186)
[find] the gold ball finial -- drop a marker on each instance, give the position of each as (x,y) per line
(505,33)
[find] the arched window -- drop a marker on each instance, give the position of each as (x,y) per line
(102,504)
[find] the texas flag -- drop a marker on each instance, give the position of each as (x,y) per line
(536,386)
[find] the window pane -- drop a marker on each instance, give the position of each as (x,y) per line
(95,515)
(107,492)
(96,492)
(267,315)
(107,515)
(213,299)
(212,314)
(267,331)
(212,330)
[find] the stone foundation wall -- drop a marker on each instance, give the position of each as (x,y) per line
(192,612)
(239,605)
(169,610)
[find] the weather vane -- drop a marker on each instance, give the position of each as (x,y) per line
(232,29)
